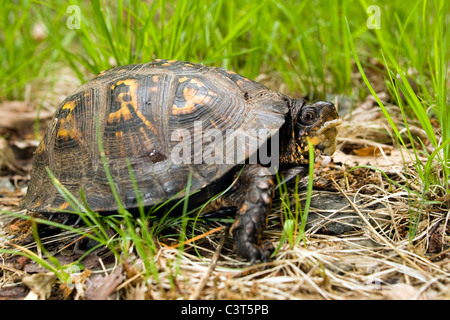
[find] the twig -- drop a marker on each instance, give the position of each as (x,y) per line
(195,295)
(22,273)
(74,241)
(195,238)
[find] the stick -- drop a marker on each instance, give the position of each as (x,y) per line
(202,283)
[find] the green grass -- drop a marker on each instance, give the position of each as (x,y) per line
(27,54)
(430,100)
(16,47)
(306,42)
(310,51)
(294,216)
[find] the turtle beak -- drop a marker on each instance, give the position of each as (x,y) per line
(325,136)
(327,111)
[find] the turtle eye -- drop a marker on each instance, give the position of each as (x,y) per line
(308,117)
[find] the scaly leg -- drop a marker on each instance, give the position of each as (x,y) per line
(253,197)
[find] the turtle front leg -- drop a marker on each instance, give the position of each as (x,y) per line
(253,198)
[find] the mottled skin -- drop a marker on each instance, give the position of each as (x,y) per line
(138,109)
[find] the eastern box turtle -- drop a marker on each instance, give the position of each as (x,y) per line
(152,116)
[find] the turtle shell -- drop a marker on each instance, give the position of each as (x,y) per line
(142,113)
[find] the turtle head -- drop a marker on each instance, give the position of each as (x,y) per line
(316,122)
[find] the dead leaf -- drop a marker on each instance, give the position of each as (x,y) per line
(7,160)
(24,144)
(21,262)
(40,285)
(371,151)
(77,281)
(101,287)
(438,240)
(19,115)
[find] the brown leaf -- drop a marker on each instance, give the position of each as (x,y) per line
(21,262)
(371,151)
(77,281)
(7,160)
(40,285)
(19,115)
(438,240)
(101,287)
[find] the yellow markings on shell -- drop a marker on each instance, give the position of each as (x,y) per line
(38,203)
(119,134)
(66,125)
(146,122)
(119,140)
(124,111)
(192,99)
(41,147)
(196,82)
(144,134)
(63,206)
(214,124)
(101,73)
(70,105)
(182,79)
(64,134)
(189,93)
(127,82)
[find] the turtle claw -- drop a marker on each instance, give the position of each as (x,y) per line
(267,249)
(264,251)
(253,252)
